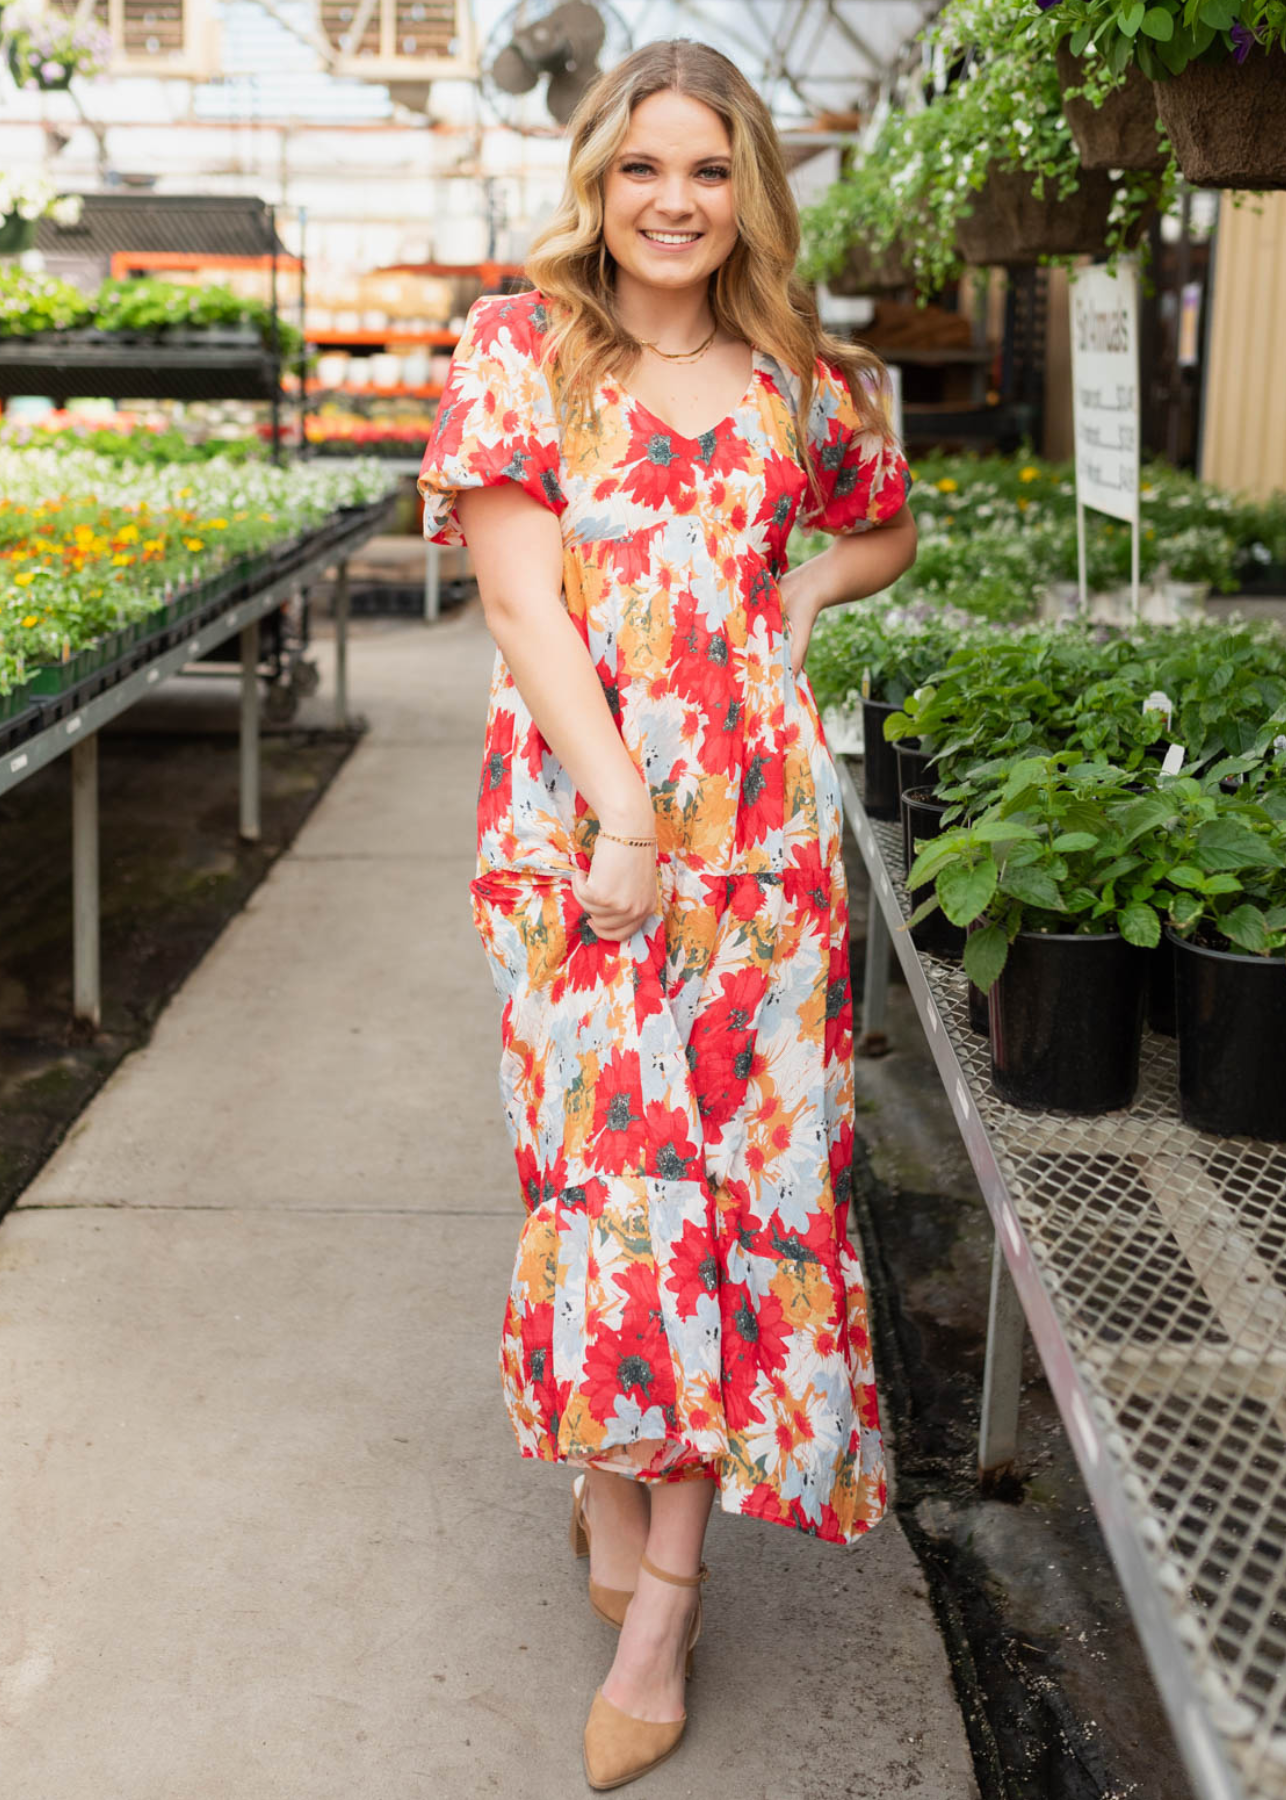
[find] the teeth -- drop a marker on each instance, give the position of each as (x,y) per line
(672,237)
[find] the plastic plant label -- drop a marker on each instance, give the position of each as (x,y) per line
(1162,703)
(866,684)
(1173,760)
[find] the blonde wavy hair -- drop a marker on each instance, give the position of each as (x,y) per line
(755,294)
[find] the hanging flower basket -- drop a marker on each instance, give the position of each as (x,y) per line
(1227,120)
(31,70)
(868,271)
(16,234)
(1009,225)
(1122,132)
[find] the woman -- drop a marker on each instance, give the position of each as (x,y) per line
(660,890)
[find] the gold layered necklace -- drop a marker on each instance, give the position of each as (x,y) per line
(683,355)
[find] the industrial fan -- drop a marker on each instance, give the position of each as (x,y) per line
(563,44)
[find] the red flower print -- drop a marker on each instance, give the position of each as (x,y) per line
(807,883)
(671,1155)
(619,1132)
(764,1502)
(694,1268)
(649,979)
(772,1333)
(495,789)
(538,1341)
(528,1175)
(762,794)
(634,1361)
(658,470)
(722,451)
(721,1045)
(533,751)
(701,660)
(839,1004)
(610,682)
(630,557)
(591,959)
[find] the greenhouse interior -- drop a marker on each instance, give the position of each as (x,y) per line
(881,894)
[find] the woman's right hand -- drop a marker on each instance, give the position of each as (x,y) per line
(620,891)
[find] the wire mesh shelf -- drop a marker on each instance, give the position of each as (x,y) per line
(1151,1261)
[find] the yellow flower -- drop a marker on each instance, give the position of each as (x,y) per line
(128,534)
(31,620)
(1023,503)
(947,485)
(121,561)
(217,524)
(184,493)
(268,518)
(194,543)
(1029,474)
(25,577)
(84,535)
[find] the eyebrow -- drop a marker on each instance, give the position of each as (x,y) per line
(647,156)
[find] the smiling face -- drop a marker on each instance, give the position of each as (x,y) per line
(668,215)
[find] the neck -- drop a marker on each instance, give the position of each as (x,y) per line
(675,318)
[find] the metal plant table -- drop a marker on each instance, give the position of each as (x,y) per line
(1150,1262)
(75,728)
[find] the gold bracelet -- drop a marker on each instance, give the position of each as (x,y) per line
(638,843)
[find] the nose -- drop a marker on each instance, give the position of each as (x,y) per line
(674,199)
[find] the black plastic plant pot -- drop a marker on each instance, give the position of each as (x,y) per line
(1161,988)
(935,935)
(1230,1010)
(979,1005)
(1066,1022)
(979,1011)
(879,764)
(913,765)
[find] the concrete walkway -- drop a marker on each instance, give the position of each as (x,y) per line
(267,1534)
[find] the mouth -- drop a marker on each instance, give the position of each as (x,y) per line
(672,240)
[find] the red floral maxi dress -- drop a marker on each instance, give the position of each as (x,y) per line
(681,1103)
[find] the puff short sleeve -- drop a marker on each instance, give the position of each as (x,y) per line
(495,421)
(864,475)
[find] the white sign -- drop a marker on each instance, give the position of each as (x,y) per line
(1105,389)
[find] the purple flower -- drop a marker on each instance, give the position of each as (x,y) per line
(1243,38)
(1045,5)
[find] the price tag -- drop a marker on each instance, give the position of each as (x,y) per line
(1173,760)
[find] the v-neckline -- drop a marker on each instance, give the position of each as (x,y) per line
(681,436)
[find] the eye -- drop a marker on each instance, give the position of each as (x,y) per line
(717,170)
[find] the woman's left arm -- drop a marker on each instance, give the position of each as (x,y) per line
(851,567)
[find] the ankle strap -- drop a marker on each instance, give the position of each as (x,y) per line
(703,1574)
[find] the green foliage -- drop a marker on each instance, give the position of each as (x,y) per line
(1161,37)
(918,174)
(1068,846)
(30,304)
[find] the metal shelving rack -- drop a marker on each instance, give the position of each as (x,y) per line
(68,726)
(1150,1262)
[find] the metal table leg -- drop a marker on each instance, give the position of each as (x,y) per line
(1002,1374)
(432,580)
(341,647)
(250,731)
(86,990)
(875,981)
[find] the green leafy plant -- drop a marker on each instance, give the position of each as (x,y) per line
(1162,36)
(918,174)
